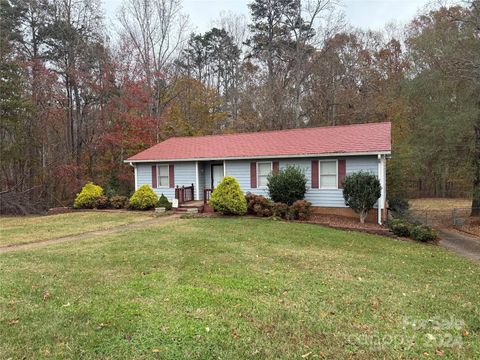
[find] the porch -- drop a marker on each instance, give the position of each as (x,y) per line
(208,174)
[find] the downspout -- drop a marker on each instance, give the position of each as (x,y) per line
(380,176)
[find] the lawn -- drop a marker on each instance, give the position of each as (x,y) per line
(439,204)
(233,288)
(21,230)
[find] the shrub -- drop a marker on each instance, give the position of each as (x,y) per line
(287,185)
(300,210)
(164,203)
(280,210)
(119,202)
(228,198)
(102,202)
(423,233)
(87,198)
(361,191)
(398,206)
(400,227)
(259,205)
(143,199)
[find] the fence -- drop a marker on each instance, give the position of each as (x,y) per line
(458,217)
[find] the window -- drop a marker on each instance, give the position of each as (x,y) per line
(328,174)
(263,170)
(163,176)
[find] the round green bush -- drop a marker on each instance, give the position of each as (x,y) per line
(143,199)
(400,227)
(423,233)
(87,198)
(287,185)
(398,206)
(361,191)
(228,198)
(164,203)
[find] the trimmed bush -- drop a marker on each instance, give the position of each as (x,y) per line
(143,199)
(400,227)
(102,202)
(361,191)
(259,205)
(300,210)
(228,198)
(119,202)
(164,203)
(423,233)
(87,198)
(280,210)
(287,185)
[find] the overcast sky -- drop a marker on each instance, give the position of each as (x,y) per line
(372,14)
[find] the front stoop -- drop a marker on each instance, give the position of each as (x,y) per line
(191,207)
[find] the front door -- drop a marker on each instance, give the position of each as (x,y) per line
(217,175)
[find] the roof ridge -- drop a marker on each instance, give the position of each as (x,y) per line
(275,131)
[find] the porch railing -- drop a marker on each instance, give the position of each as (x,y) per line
(207,193)
(184,194)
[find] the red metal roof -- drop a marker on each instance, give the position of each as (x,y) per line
(360,138)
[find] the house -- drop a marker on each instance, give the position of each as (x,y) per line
(188,168)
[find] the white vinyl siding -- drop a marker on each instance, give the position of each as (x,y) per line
(328,174)
(263,170)
(163,176)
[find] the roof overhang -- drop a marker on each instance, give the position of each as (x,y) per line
(369,153)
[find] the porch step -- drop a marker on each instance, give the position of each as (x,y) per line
(189,209)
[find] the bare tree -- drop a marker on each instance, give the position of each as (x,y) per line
(157,32)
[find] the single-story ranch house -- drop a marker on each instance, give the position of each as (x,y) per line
(188,168)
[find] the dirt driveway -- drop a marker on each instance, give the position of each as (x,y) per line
(461,243)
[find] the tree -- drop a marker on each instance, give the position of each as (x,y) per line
(155,32)
(445,55)
(361,191)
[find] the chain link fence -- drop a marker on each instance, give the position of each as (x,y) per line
(442,218)
(459,218)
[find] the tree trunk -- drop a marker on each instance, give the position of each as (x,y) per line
(363,216)
(476,173)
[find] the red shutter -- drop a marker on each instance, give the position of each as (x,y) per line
(171,175)
(314,174)
(253,175)
(342,172)
(275,166)
(154,176)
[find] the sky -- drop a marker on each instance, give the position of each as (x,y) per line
(366,14)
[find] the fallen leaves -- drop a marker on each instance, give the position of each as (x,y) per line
(13,321)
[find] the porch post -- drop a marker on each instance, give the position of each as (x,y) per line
(224,168)
(197,182)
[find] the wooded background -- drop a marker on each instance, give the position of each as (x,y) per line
(78,97)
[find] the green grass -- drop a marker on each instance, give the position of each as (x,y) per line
(21,230)
(236,288)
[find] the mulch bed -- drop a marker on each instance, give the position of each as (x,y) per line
(347,223)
